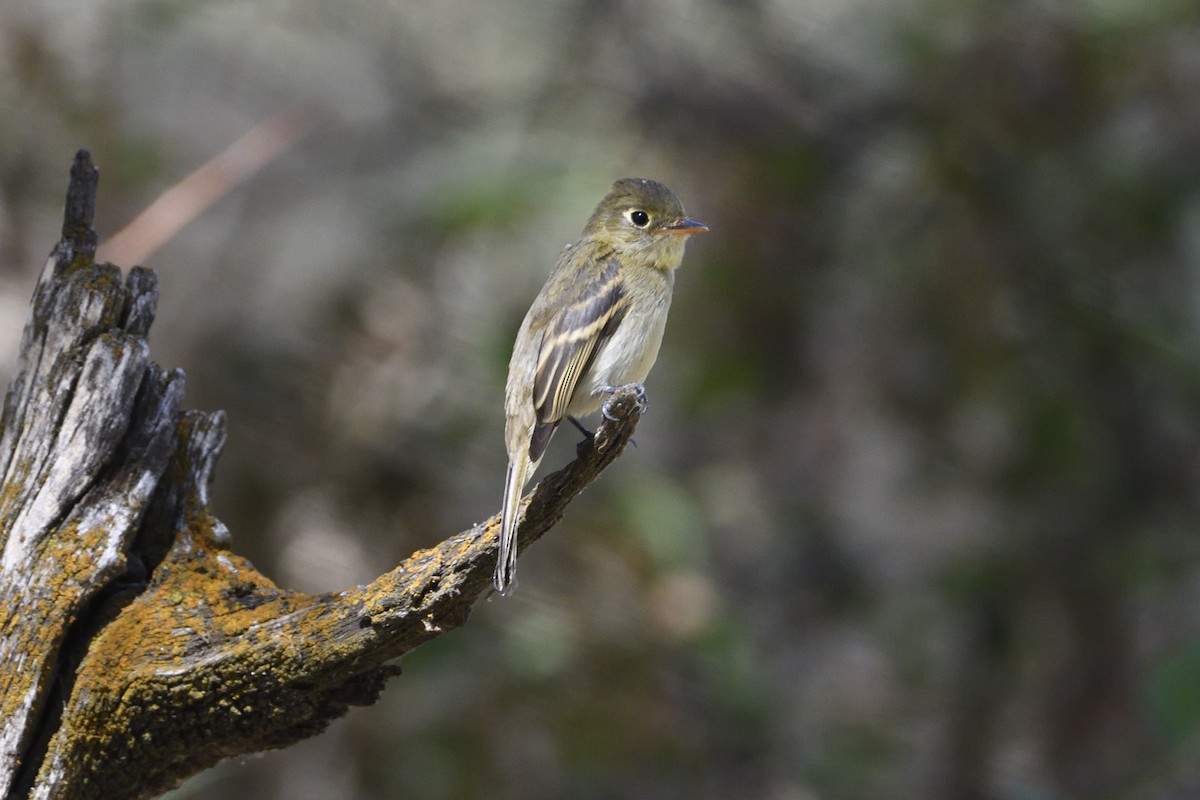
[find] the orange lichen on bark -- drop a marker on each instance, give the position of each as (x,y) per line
(192,668)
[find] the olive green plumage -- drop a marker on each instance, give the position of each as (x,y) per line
(595,325)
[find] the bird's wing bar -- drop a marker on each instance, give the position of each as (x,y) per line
(570,343)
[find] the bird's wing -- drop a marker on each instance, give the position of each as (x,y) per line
(569,344)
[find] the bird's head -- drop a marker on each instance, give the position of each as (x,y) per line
(643,219)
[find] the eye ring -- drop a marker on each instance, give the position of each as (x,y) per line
(639,218)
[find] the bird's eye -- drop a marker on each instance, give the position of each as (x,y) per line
(639,218)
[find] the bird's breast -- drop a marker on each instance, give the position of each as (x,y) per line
(627,355)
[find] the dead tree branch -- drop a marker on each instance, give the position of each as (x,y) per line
(135,647)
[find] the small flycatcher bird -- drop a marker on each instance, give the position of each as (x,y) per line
(596,325)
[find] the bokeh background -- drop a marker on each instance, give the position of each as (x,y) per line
(915,510)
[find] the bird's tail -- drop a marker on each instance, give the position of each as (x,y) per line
(506,559)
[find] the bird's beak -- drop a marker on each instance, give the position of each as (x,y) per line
(683,227)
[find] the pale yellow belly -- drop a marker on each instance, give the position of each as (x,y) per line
(625,358)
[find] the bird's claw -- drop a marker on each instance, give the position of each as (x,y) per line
(639,399)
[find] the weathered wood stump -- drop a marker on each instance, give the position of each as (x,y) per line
(135,647)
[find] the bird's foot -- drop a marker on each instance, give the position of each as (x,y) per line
(639,393)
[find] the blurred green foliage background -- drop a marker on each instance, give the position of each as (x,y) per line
(915,510)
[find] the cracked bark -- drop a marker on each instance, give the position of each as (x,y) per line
(136,648)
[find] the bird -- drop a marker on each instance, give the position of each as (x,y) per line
(596,325)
